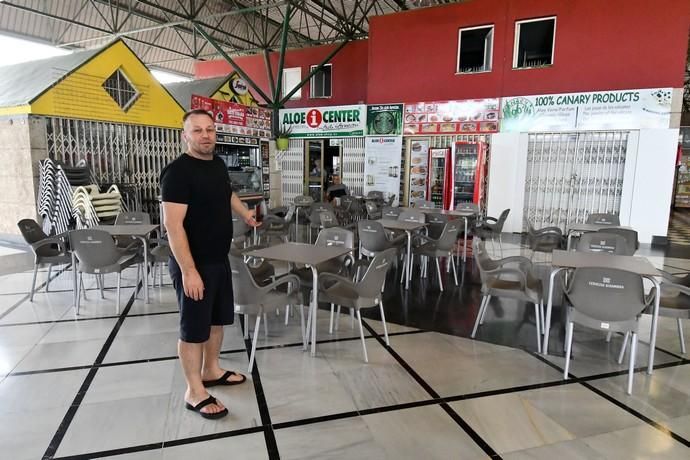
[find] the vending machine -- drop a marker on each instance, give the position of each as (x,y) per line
(439,182)
(469,170)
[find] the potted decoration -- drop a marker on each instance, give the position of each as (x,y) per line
(283,137)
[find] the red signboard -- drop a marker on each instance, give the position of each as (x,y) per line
(235,118)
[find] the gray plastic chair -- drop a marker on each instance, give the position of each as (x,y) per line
(97,254)
(608,300)
(424,204)
(131,218)
(604,242)
(603,219)
(46,249)
(389,212)
(490,227)
(510,277)
(366,293)
(374,239)
(443,246)
(544,239)
(630,236)
(437,223)
(674,301)
(274,226)
(252,299)
(314,217)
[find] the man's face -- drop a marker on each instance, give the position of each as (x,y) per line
(200,135)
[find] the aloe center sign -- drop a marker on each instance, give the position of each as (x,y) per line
(336,121)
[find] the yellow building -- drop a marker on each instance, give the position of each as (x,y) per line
(102,106)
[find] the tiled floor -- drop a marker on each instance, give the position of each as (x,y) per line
(107,385)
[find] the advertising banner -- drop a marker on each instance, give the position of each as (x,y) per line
(336,121)
(451,117)
(236,118)
(599,110)
(382,165)
(384,120)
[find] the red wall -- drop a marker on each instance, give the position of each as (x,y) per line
(600,45)
(349,77)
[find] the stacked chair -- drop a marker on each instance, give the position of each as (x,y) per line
(54,198)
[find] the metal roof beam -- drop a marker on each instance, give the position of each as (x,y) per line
(334,12)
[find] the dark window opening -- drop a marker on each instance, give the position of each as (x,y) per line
(475,48)
(321,82)
(535,41)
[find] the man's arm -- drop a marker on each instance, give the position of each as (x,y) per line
(241,210)
(179,244)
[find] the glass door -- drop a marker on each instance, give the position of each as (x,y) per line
(314,172)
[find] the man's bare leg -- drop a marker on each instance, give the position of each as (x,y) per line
(191,355)
(211,369)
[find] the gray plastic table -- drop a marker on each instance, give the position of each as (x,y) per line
(562,260)
(408,228)
(310,256)
(141,232)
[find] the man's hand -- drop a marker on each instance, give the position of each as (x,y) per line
(250,219)
(193,285)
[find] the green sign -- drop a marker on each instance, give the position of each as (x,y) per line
(385,120)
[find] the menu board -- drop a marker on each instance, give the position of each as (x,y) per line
(451,117)
(382,165)
(265,172)
(234,118)
(419,159)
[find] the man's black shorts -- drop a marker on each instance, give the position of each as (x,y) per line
(216,308)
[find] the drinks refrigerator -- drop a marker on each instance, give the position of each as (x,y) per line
(467,179)
(439,181)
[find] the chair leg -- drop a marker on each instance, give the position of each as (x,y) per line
(80,281)
(480,313)
(83,289)
(361,336)
(119,282)
(265,326)
(99,279)
(455,270)
(301,325)
(541,316)
(537,320)
(50,267)
(568,346)
(153,275)
(438,271)
(623,347)
(287,315)
(609,334)
(631,368)
(33,283)
(680,335)
(402,275)
(136,284)
(246,327)
(330,323)
(486,307)
(254,340)
(352,318)
(337,317)
(383,320)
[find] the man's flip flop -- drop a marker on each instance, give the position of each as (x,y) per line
(204,403)
(223,380)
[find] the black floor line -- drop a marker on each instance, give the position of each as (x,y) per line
(449,410)
(584,381)
(264,413)
(72,411)
(27,295)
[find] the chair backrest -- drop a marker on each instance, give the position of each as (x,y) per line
(502,220)
(604,242)
(375,194)
(94,248)
(412,216)
(244,288)
(371,284)
(373,210)
(303,200)
(336,236)
(133,218)
(328,219)
(372,235)
(484,262)
(346,202)
(437,223)
(390,212)
(31,231)
(629,234)
(449,236)
(606,294)
(391,200)
(603,219)
(424,204)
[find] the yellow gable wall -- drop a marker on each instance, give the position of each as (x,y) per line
(81,95)
(226,93)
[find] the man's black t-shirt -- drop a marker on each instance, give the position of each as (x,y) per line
(204,186)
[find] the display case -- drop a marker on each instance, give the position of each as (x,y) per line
(468,172)
(243,161)
(682,192)
(437,183)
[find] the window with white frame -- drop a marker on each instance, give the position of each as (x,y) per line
(534,43)
(475,49)
(320,83)
(291,78)
(121,89)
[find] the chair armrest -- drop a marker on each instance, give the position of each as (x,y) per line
(522,276)
(678,287)
(284,279)
(670,278)
(520,260)
(333,277)
(50,241)
(549,230)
